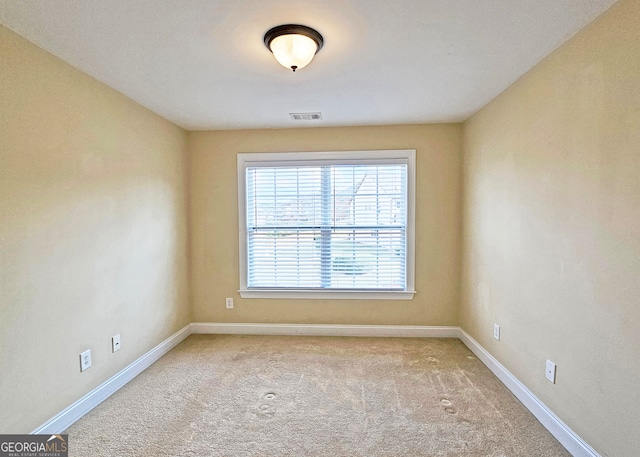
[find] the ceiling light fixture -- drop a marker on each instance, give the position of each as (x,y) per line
(293,45)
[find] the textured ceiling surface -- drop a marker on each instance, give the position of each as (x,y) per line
(202,64)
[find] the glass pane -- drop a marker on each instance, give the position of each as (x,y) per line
(336,226)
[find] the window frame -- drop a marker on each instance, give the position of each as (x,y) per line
(245,160)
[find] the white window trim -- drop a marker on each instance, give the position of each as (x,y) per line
(283,158)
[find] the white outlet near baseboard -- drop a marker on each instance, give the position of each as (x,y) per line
(85,360)
(550,371)
(229,303)
(115,343)
(496,332)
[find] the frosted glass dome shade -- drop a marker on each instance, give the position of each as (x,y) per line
(293,51)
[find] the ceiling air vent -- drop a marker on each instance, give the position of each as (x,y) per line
(306,116)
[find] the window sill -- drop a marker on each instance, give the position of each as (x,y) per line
(329,294)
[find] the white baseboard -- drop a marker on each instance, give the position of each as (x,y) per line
(561,431)
(69,415)
(567,437)
(325,330)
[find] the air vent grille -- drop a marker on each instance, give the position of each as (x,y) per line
(306,116)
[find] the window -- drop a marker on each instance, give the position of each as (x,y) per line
(327,225)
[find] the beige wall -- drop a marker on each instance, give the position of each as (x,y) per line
(214,214)
(92,232)
(552,230)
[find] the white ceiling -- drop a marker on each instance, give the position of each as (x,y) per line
(202,63)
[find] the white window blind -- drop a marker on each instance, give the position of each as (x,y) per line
(336,225)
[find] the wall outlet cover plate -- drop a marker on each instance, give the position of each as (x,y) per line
(115,343)
(550,371)
(85,360)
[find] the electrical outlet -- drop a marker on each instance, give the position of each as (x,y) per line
(115,343)
(496,332)
(550,371)
(85,360)
(229,303)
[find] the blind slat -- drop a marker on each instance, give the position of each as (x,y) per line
(329,227)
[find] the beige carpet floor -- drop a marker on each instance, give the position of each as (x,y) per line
(219,395)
